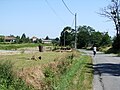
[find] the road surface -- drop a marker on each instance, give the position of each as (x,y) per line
(106,71)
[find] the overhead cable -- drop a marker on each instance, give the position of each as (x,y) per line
(53,10)
(67,7)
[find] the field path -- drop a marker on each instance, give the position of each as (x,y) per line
(106,71)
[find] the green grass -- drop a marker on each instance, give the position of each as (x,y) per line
(9,81)
(83,77)
(63,71)
(77,77)
(24,60)
(76,74)
(16,46)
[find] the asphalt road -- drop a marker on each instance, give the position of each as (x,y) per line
(106,71)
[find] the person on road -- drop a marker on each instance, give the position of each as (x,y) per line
(94,50)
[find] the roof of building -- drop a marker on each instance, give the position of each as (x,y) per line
(9,38)
(34,37)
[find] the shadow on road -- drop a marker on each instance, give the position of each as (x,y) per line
(107,68)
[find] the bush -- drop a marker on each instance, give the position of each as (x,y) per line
(118,54)
(8,80)
(116,43)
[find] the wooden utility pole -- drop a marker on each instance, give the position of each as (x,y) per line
(75,31)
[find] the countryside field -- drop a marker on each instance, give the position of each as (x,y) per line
(55,70)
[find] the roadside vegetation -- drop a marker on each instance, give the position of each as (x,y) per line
(55,71)
(9,81)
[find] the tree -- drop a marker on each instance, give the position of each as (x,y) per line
(23,38)
(112,12)
(47,38)
(55,41)
(82,37)
(17,39)
(1,38)
(66,37)
(87,36)
(106,40)
(116,44)
(95,38)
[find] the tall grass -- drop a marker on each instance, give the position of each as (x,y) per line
(71,74)
(76,77)
(8,80)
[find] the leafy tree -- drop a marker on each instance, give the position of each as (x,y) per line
(86,36)
(66,37)
(17,39)
(55,41)
(116,44)
(27,40)
(96,38)
(24,39)
(1,38)
(83,37)
(106,40)
(39,41)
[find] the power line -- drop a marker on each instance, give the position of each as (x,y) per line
(53,10)
(67,7)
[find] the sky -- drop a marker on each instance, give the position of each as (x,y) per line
(43,18)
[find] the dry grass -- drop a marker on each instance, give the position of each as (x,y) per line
(24,60)
(32,70)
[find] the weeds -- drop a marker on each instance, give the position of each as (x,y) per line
(68,71)
(8,80)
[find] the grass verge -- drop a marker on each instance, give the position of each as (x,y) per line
(75,74)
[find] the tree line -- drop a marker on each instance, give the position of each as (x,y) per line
(24,39)
(86,37)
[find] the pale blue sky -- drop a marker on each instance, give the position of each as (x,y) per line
(38,18)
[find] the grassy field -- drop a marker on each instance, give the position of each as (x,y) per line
(24,60)
(16,46)
(55,70)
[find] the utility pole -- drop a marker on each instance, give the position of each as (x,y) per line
(75,31)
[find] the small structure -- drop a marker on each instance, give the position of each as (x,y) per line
(46,41)
(9,39)
(34,39)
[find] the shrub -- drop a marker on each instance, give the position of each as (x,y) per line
(116,43)
(8,80)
